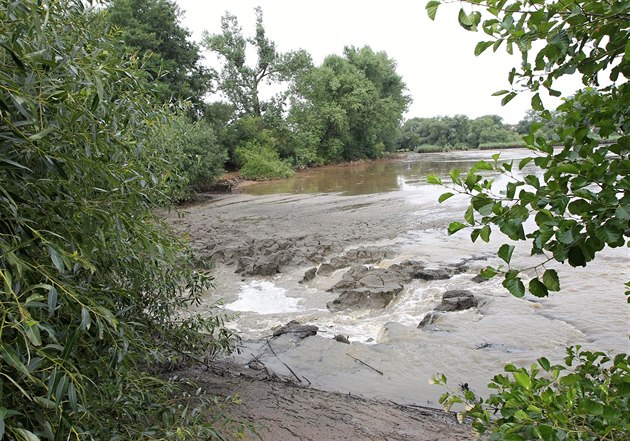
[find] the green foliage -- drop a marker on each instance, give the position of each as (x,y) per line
(151,31)
(348,108)
(194,153)
(577,196)
(262,162)
(586,398)
(92,283)
(353,104)
(457,132)
(240,82)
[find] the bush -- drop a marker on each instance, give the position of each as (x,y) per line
(92,284)
(587,398)
(260,163)
(432,148)
(195,154)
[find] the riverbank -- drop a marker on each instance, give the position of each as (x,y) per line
(282,410)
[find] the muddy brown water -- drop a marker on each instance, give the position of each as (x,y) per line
(367,177)
(390,204)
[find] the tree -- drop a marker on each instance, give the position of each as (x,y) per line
(352,104)
(489,129)
(579,199)
(92,284)
(456,132)
(151,31)
(240,82)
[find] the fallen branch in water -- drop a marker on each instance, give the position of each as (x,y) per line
(285,365)
(263,365)
(365,364)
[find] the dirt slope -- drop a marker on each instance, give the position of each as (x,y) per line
(283,411)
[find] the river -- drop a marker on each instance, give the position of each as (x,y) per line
(321,214)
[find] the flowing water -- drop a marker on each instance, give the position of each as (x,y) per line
(469,346)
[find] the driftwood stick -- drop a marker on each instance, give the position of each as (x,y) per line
(285,365)
(263,365)
(365,364)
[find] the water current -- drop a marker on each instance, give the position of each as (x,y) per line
(469,346)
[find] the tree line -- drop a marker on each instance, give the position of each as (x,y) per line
(349,107)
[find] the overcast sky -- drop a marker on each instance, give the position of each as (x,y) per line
(435,59)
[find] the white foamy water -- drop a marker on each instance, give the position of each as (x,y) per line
(263,297)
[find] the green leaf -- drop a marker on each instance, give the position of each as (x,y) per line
(15,58)
(545,431)
(454,227)
(474,235)
(445,196)
(485,233)
(521,415)
(42,134)
(3,413)
(32,332)
(551,280)
(432,8)
(544,363)
(13,163)
(72,397)
(434,179)
(608,234)
(488,273)
(622,213)
(469,21)
(505,252)
(500,92)
(507,98)
(482,165)
(537,288)
(522,378)
(86,320)
(482,46)
(11,358)
(568,168)
(593,407)
(469,215)
(566,237)
(455,174)
(515,286)
(626,55)
(26,434)
(52,300)
(56,259)
(537,103)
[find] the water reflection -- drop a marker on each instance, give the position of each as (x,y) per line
(405,174)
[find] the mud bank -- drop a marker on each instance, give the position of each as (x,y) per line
(283,411)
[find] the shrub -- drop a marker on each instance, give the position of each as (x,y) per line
(260,163)
(587,398)
(196,156)
(92,284)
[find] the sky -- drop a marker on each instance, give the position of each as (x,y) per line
(434,58)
